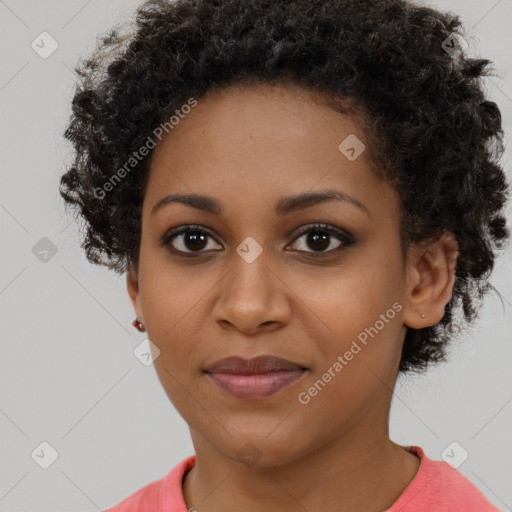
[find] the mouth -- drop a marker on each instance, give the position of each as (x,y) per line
(255,378)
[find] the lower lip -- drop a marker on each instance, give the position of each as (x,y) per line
(255,386)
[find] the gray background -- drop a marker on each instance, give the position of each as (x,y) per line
(68,374)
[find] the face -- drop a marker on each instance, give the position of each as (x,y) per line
(307,284)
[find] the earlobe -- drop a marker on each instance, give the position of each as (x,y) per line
(430,279)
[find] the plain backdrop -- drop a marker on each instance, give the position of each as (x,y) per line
(68,374)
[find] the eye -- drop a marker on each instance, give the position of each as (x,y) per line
(193,238)
(187,239)
(320,238)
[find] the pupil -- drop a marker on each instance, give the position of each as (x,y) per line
(315,238)
(197,238)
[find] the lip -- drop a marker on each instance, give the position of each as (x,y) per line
(255,386)
(257,365)
(255,378)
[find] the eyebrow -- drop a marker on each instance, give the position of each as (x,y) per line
(283,207)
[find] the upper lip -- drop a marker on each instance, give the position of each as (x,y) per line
(261,364)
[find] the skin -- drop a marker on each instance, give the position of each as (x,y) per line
(249,146)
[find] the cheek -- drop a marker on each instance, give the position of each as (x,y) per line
(353,296)
(169,292)
(355,367)
(360,312)
(168,298)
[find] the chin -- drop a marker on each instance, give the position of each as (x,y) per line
(260,450)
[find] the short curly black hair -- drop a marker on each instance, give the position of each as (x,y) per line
(434,136)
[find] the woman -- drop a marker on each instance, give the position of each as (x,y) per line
(303,198)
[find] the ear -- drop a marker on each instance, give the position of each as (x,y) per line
(132,284)
(430,278)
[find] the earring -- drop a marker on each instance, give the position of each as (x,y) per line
(422,315)
(138,325)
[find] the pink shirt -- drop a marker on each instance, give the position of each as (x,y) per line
(436,487)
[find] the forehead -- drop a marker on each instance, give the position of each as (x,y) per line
(258,141)
(271,114)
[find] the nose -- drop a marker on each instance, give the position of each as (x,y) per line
(253,298)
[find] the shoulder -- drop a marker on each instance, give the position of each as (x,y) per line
(159,495)
(457,492)
(438,486)
(145,499)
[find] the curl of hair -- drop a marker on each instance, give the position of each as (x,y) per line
(433,133)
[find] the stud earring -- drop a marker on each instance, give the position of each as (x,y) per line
(138,325)
(422,315)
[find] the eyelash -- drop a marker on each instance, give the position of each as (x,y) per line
(346,239)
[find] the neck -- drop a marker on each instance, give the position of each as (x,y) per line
(357,471)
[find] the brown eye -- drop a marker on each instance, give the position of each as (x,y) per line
(187,239)
(322,236)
